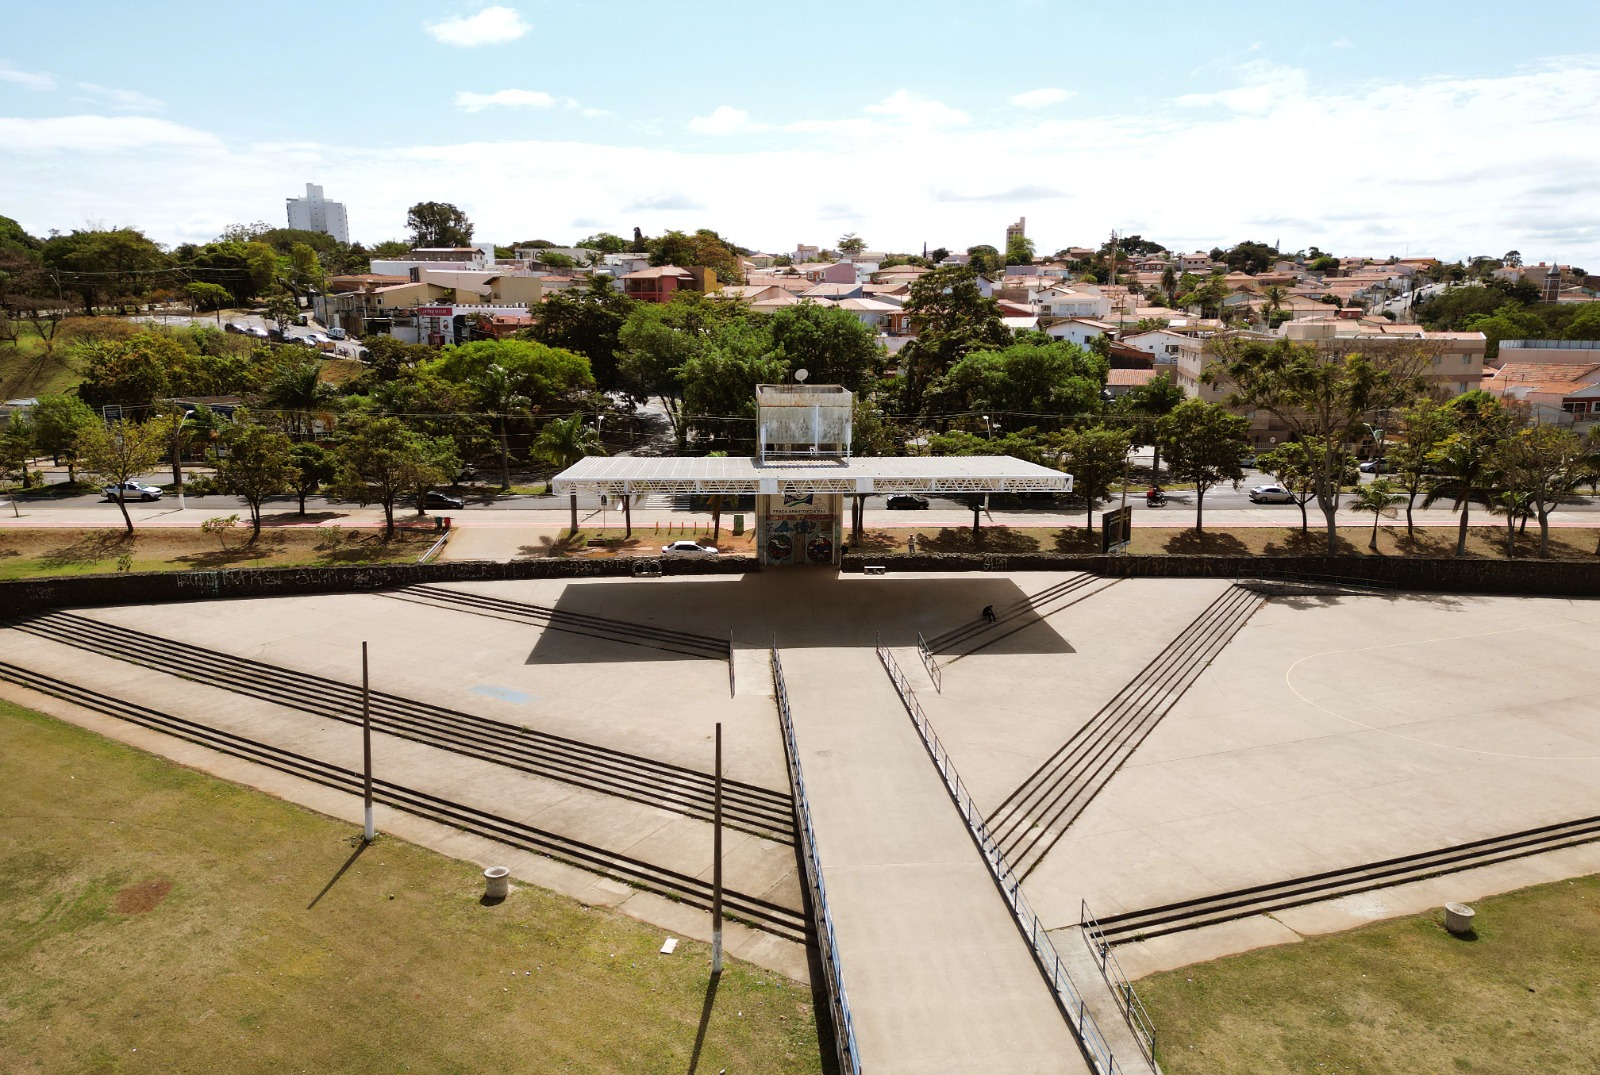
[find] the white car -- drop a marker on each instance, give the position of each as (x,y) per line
(132,491)
(257,331)
(688,548)
(1271,494)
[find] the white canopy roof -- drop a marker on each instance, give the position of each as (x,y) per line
(624,475)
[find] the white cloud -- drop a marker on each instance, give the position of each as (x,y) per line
(98,135)
(468,101)
(121,100)
(1417,175)
(491,26)
(724,119)
(1262,84)
(1040,98)
(33,80)
(907,107)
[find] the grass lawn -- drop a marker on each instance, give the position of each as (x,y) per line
(160,920)
(1401,997)
(43,553)
(1484,542)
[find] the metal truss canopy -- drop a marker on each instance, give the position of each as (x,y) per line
(627,476)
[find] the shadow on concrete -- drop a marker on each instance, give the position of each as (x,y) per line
(799,608)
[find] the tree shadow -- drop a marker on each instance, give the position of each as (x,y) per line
(101,545)
(1199,542)
(705,1022)
(1310,543)
(988,539)
(294,518)
(1077,540)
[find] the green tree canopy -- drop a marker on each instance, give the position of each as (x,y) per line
(586,321)
(831,344)
(380,460)
(547,376)
(119,452)
(256,463)
(1204,443)
(951,317)
(1025,379)
(438,224)
(57,422)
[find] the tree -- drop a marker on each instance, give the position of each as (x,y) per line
(118,452)
(1203,443)
(586,321)
(604,242)
(1293,465)
(116,265)
(1465,459)
(1019,250)
(1095,457)
(1542,465)
(58,420)
(134,372)
(1251,257)
(17,440)
(303,397)
(1423,427)
(203,296)
(438,224)
(831,344)
(439,462)
(719,383)
(1322,393)
(852,244)
(256,464)
(1150,401)
(300,272)
(983,259)
(1378,496)
(380,460)
(564,441)
(1056,378)
(312,466)
(951,317)
(499,392)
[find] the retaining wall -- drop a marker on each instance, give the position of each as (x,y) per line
(1565,578)
(82,591)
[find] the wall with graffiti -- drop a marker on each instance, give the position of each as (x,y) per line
(803,528)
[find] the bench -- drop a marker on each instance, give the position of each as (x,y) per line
(873,569)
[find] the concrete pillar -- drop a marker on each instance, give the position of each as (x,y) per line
(1458,918)
(496,883)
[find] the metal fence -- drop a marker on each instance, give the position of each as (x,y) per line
(935,673)
(1033,929)
(838,1001)
(1132,1007)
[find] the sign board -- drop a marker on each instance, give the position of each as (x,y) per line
(1116,529)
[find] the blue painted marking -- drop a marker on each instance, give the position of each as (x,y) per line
(505,694)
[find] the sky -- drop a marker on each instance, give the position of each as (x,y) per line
(1431,128)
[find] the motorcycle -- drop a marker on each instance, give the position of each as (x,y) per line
(1155,500)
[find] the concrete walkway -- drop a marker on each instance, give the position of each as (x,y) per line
(937,975)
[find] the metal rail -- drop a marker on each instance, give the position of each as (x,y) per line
(935,673)
(1033,929)
(833,970)
(1144,1031)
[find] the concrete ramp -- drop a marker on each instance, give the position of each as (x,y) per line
(938,977)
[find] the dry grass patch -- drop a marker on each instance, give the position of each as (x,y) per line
(161,920)
(1401,997)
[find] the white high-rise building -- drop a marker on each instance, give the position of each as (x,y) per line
(315,213)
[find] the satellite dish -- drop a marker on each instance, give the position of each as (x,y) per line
(801,375)
(1274,440)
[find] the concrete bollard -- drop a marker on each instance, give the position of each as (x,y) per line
(496,886)
(1458,918)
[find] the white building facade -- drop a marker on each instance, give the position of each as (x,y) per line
(316,213)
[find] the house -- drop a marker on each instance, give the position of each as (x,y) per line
(803,253)
(659,283)
(871,312)
(833,292)
(829,272)
(448,324)
(1119,382)
(1080,330)
(1077,300)
(1565,351)
(1566,393)
(1163,345)
(1197,262)
(1457,361)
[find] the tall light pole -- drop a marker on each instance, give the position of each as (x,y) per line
(716,864)
(368,834)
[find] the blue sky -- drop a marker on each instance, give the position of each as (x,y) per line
(1445,128)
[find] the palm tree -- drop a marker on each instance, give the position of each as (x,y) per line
(564,441)
(300,392)
(1273,296)
(498,391)
(1463,463)
(1379,497)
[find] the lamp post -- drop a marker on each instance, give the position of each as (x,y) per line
(1376,432)
(988,425)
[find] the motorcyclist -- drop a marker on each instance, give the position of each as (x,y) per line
(1155,496)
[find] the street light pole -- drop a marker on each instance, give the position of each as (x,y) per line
(716,864)
(367,832)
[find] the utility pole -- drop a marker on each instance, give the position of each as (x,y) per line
(716,865)
(367,833)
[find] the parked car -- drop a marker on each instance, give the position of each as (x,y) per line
(257,331)
(1371,465)
(132,491)
(1271,494)
(435,499)
(688,548)
(907,502)
(1248,462)
(233,326)
(337,334)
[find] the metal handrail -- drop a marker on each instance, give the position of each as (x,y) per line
(935,673)
(1144,1030)
(833,970)
(1079,1018)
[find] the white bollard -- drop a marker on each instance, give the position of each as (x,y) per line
(1458,918)
(496,886)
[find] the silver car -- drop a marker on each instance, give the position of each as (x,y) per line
(1271,494)
(132,491)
